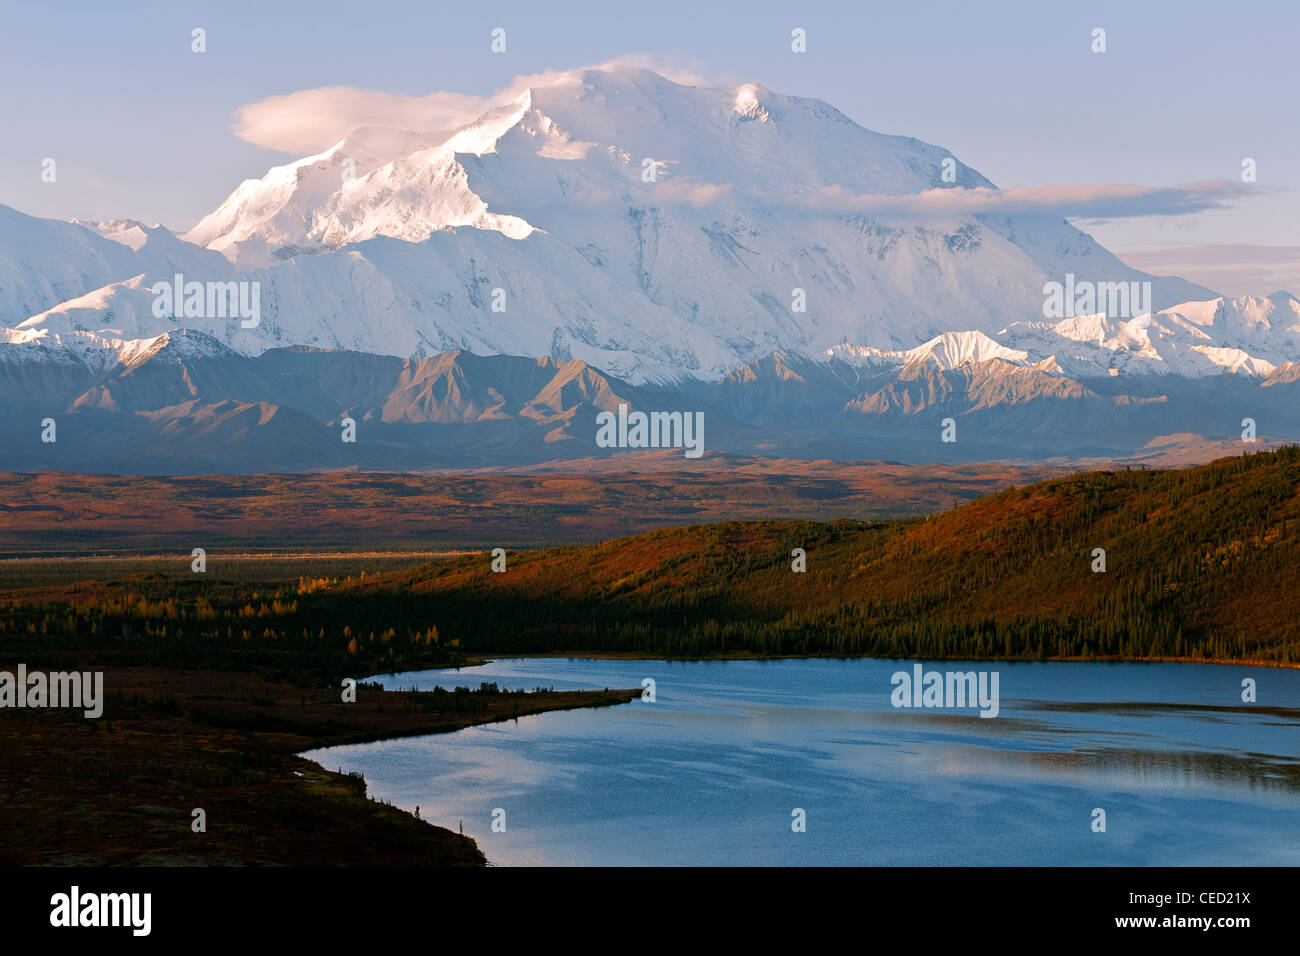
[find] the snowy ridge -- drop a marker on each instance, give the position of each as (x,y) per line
(533,231)
(948,351)
(1248,335)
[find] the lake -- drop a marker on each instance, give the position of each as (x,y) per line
(714,770)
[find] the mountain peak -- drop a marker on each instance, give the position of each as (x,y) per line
(587,137)
(655,230)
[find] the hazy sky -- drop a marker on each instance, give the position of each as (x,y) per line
(141,127)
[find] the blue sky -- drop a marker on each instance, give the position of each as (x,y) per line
(141,127)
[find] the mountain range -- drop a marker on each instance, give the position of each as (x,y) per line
(477,296)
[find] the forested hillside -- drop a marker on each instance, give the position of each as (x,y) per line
(1201,562)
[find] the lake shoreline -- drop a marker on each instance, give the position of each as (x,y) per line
(481,658)
(712,771)
(173,741)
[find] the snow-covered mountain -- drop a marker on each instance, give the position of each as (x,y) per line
(394,241)
(707,240)
(1247,335)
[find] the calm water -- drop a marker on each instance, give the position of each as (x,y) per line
(711,772)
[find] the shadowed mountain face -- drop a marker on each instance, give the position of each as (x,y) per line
(186,404)
(189,405)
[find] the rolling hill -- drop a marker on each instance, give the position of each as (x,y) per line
(1199,563)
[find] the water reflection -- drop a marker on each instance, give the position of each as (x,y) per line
(711,772)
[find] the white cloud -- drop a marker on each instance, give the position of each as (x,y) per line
(309,121)
(687,192)
(1078,201)
(1233,269)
